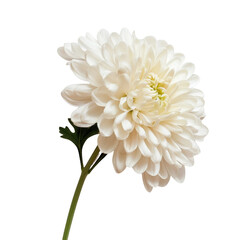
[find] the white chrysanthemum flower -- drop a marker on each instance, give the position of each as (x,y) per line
(140,94)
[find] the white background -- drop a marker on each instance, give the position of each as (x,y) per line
(39,170)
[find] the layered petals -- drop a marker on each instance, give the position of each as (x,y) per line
(77,94)
(141,94)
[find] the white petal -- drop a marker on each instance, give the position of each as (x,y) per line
(107,144)
(173,128)
(156,156)
(183,142)
(100,96)
(123,64)
(168,77)
(174,87)
(163,182)
(163,170)
(118,84)
(184,93)
(130,143)
(141,165)
(151,40)
(199,132)
(102,36)
(120,133)
(91,38)
(91,113)
(119,159)
(172,146)
(79,68)
(123,81)
(162,130)
(168,157)
(141,131)
(63,54)
(163,56)
(107,52)
(94,76)
(146,184)
(166,117)
(188,154)
(111,109)
(180,76)
(202,132)
(135,115)
(92,58)
(153,168)
(126,36)
(111,82)
(183,107)
(77,94)
(74,51)
(128,123)
(151,136)
(177,121)
(120,117)
(123,104)
(153,181)
(105,126)
(162,140)
(150,55)
(170,52)
(182,159)
(88,44)
(177,173)
(161,44)
(144,148)
(176,62)
(132,158)
(193,80)
(189,67)
(120,50)
(115,38)
(144,119)
(175,160)
(76,117)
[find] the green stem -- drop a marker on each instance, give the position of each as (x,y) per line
(80,157)
(77,193)
(100,158)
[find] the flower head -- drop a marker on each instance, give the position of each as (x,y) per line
(141,95)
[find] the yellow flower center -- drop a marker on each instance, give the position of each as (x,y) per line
(158,90)
(148,98)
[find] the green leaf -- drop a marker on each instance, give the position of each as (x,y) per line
(80,135)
